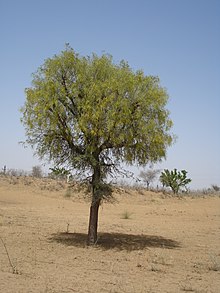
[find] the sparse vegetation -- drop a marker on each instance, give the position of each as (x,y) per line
(44,247)
(16,172)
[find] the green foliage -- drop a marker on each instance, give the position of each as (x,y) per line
(57,172)
(89,114)
(174,179)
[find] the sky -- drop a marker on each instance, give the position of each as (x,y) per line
(177,40)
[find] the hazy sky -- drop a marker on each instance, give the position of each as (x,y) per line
(177,40)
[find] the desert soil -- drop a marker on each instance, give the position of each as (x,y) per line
(166,244)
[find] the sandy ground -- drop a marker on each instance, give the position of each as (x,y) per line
(166,245)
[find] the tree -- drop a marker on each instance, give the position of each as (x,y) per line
(37,171)
(89,114)
(174,179)
(215,187)
(149,176)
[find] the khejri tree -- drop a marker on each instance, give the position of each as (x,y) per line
(92,115)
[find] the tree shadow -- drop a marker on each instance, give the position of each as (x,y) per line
(118,241)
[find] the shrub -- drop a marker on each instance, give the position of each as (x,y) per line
(174,179)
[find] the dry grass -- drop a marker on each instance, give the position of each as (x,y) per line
(126,215)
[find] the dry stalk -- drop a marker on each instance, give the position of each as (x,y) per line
(14,270)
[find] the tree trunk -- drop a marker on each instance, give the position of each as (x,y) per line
(94,208)
(93,223)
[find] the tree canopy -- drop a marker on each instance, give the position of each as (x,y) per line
(149,176)
(90,114)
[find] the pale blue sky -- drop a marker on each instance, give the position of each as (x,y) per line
(178,40)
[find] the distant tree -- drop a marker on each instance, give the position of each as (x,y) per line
(149,176)
(89,114)
(215,187)
(37,172)
(174,179)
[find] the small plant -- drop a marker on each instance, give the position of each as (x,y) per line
(174,179)
(126,215)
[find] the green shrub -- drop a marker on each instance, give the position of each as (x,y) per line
(174,179)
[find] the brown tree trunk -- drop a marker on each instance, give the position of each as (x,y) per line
(94,208)
(93,223)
